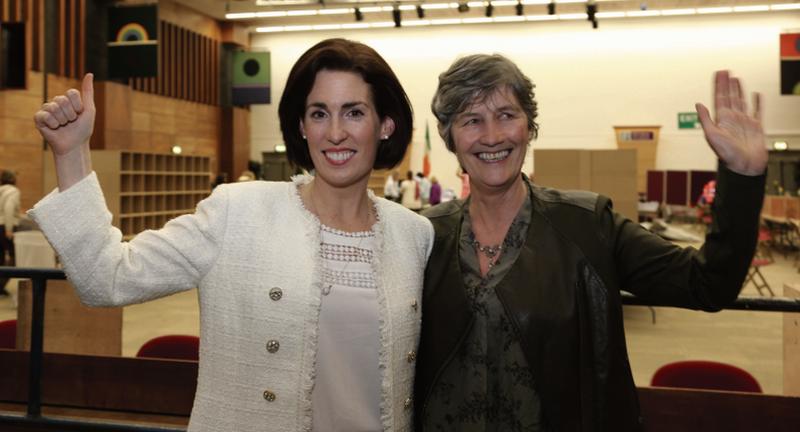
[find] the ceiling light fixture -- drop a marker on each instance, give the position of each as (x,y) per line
(591,12)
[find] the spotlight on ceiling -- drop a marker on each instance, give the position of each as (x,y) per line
(396,16)
(463,7)
(591,12)
(780,145)
(551,8)
(420,12)
(489,10)
(359,15)
(519,8)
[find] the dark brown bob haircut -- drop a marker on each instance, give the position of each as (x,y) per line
(347,56)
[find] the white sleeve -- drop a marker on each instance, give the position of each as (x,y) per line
(109,272)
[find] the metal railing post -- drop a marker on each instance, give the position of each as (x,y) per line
(37,345)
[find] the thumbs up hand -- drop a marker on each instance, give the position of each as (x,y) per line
(67,121)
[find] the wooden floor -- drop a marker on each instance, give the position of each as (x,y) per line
(751,340)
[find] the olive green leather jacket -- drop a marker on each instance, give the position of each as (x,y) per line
(563,295)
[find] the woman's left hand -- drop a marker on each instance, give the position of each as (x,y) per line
(736,136)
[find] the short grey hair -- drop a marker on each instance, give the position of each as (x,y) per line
(471,79)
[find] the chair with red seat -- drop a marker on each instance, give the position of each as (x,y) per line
(8,334)
(707,375)
(181,347)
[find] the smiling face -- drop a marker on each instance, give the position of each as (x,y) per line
(342,128)
(490,139)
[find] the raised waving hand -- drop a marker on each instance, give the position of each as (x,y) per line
(736,136)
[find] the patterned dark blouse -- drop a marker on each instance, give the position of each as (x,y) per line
(487,386)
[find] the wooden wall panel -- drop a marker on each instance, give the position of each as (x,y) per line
(61,39)
(188,68)
(197,53)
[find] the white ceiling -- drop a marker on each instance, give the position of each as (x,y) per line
(218,8)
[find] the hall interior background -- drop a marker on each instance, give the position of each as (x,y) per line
(634,71)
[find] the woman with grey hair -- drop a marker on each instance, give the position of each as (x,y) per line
(522,317)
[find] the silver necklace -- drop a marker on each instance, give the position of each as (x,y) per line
(491,252)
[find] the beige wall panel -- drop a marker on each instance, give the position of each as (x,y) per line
(21,131)
(161,142)
(19,104)
(241,140)
(35,83)
(162,105)
(117,106)
(163,123)
(205,146)
(142,140)
(57,85)
(141,102)
(119,140)
(70,327)
(140,121)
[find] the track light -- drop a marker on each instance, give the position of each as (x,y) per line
(396,16)
(591,12)
(420,12)
(519,8)
(463,7)
(551,8)
(359,15)
(489,10)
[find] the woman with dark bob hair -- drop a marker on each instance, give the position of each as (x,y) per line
(522,317)
(307,320)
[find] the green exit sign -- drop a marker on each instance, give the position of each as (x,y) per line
(688,120)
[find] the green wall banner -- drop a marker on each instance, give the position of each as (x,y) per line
(251,78)
(688,120)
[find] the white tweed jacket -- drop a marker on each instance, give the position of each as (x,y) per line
(252,250)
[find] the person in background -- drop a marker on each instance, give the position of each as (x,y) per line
(9,217)
(409,192)
(424,188)
(436,192)
(221,178)
(705,201)
(522,317)
(245,176)
(465,186)
(391,188)
(308,289)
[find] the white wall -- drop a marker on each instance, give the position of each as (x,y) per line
(627,72)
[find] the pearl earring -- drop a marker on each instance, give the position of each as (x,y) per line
(304,137)
(385,137)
